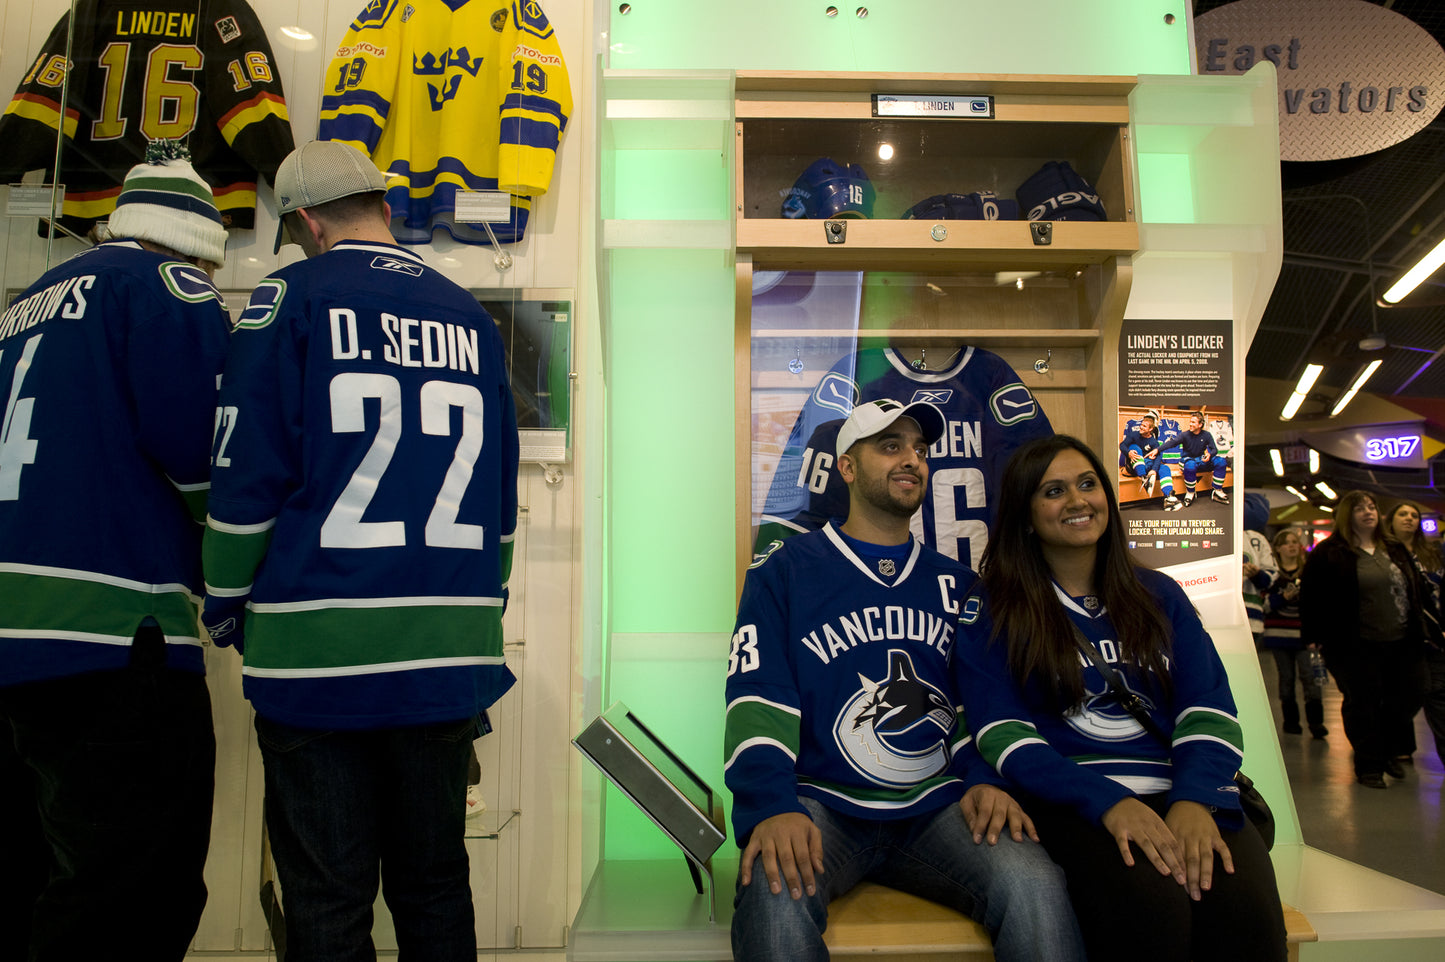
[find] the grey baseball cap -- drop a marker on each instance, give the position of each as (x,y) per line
(868,419)
(322,171)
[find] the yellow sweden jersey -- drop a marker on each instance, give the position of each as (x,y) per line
(449,96)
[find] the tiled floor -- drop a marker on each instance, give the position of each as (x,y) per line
(1397,831)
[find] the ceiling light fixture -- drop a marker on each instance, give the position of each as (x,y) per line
(1296,492)
(885,151)
(1276,460)
(1301,390)
(1428,265)
(1326,490)
(1314,461)
(1349,395)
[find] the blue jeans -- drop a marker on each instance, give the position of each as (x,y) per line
(348,810)
(106,781)
(1012,888)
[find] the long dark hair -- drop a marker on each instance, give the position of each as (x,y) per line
(1420,546)
(1020,585)
(1345,522)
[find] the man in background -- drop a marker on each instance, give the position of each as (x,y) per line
(108,368)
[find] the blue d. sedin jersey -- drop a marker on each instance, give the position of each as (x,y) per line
(108,367)
(989,414)
(365,494)
(838,684)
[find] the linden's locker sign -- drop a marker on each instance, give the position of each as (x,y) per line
(1354,77)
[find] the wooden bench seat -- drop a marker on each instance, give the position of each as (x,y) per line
(879,923)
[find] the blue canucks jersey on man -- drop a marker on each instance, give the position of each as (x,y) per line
(108,368)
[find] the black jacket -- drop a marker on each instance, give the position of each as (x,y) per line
(1330,593)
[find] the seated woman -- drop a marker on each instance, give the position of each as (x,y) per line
(1103,791)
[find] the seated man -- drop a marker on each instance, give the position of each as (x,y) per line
(1139,452)
(845,751)
(1199,448)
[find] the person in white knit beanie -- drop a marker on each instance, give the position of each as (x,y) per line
(166,206)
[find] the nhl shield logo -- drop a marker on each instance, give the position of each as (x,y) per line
(886,567)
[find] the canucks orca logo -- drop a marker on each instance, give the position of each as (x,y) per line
(895,731)
(1103,718)
(1013,403)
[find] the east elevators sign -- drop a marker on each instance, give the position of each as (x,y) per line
(1354,77)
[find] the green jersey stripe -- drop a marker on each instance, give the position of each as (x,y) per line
(357,637)
(750,720)
(52,607)
(231,558)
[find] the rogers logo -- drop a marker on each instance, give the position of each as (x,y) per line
(1191,582)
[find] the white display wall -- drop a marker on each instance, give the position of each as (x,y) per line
(525,879)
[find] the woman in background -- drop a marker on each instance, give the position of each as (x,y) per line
(1360,599)
(1292,657)
(1057,582)
(1405,528)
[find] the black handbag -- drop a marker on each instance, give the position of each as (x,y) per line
(1255,808)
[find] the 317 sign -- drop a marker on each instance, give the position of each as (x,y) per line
(1383,449)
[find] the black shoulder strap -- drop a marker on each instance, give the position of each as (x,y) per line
(1130,701)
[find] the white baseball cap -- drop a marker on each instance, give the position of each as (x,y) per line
(321,171)
(868,419)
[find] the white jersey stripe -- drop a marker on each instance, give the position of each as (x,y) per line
(345,670)
(755,743)
(326,604)
(93,577)
(88,636)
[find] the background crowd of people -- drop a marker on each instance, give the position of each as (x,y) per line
(1365,603)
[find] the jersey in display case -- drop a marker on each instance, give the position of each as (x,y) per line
(450,97)
(199,71)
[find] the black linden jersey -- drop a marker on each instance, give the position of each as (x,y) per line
(200,71)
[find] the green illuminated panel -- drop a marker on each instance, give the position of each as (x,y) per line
(670,185)
(922,36)
(1166,195)
(674,684)
(670,441)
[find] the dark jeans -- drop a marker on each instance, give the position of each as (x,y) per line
(1293,663)
(108,782)
(1012,887)
(1136,913)
(1383,685)
(347,810)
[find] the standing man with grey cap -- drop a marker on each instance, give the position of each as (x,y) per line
(845,747)
(108,369)
(356,553)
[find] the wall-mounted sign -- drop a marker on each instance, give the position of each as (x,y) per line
(932,106)
(1354,77)
(1177,478)
(1399,445)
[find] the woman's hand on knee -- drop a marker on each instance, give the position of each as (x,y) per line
(1130,820)
(1199,837)
(791,848)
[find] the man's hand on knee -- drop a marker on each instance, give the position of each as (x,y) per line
(791,848)
(989,809)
